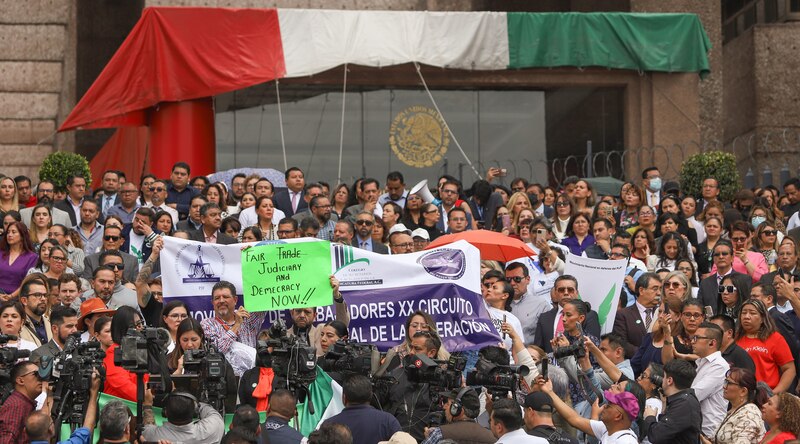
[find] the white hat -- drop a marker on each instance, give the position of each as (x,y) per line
(421,232)
(400,438)
(399,228)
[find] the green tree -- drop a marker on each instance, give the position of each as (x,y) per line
(57,166)
(717,164)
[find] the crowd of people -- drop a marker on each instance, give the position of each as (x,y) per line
(704,346)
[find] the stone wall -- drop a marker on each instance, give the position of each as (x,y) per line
(36,81)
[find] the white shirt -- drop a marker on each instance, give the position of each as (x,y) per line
(653,316)
(248,217)
(707,387)
(519,436)
(383,198)
(652,198)
(783,308)
(623,436)
(497,316)
(794,221)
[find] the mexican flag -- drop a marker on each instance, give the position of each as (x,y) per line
(325,394)
(174,54)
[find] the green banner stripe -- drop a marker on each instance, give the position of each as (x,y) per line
(635,41)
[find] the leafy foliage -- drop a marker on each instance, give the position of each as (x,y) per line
(717,164)
(59,165)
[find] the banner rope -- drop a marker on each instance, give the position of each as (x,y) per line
(280,124)
(341,129)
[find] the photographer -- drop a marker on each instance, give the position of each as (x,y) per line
(190,336)
(411,402)
(611,358)
(538,416)
(681,421)
(303,319)
(28,386)
(461,408)
(40,427)
(571,346)
(179,409)
(367,424)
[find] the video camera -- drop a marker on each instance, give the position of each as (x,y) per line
(351,357)
(291,356)
(8,357)
(498,379)
(70,374)
(424,370)
(137,348)
(209,364)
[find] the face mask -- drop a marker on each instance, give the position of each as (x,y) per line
(655,184)
(758,220)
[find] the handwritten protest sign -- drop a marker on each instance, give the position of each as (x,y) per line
(279,276)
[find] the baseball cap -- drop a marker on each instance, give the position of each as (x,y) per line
(540,402)
(90,307)
(625,400)
(399,228)
(420,232)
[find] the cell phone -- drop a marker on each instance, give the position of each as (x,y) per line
(505,335)
(503,172)
(544,368)
(506,221)
(541,235)
(709,311)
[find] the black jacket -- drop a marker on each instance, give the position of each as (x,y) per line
(411,404)
(675,426)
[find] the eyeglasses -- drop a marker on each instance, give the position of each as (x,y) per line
(726,289)
(431,211)
(322,206)
(728,382)
(178,316)
(36,295)
(33,372)
(45,191)
(616,254)
(562,204)
(692,315)
(449,192)
(567,290)
(722,253)
(673,284)
(646,213)
(418,325)
(364,222)
(111,238)
(516,279)
(116,266)
(58,258)
(695,338)
(770,232)
(404,245)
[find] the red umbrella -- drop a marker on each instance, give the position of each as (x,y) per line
(493,245)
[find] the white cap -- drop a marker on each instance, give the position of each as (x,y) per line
(399,228)
(421,232)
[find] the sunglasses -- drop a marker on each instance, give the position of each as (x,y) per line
(770,232)
(673,284)
(157,189)
(722,254)
(516,279)
(116,267)
(111,238)
(364,222)
(726,289)
(562,204)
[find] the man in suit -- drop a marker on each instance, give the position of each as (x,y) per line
(787,266)
(710,193)
(633,322)
(651,183)
(44,195)
(363,239)
(63,322)
(310,191)
(112,241)
(211,218)
(110,187)
(551,322)
(193,222)
(76,191)
(603,231)
(290,200)
(369,191)
(484,204)
(709,287)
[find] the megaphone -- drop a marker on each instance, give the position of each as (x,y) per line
(421,189)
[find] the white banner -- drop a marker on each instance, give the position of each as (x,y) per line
(599,283)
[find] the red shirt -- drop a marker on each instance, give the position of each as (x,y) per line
(13,414)
(780,438)
(768,356)
(119,382)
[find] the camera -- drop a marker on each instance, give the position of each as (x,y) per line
(133,352)
(209,364)
(8,357)
(71,373)
(498,379)
(575,349)
(291,356)
(421,369)
(351,357)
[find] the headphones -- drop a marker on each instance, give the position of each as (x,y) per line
(186,395)
(456,407)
